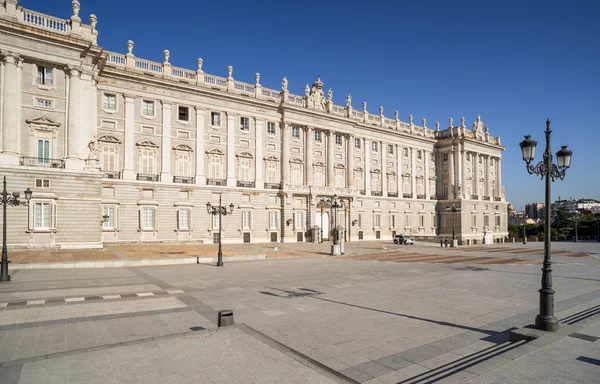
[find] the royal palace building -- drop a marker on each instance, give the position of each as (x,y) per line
(118,149)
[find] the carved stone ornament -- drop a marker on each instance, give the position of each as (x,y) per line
(257,78)
(130,47)
(316,98)
(477,124)
(93,147)
(284,84)
(229,72)
(200,62)
(349,100)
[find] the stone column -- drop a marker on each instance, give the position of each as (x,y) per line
(413,172)
(129,172)
(439,173)
(330,159)
(488,180)
(308,171)
(285,153)
(384,156)
(10,117)
(258,158)
(165,170)
(451,173)
(231,182)
(463,179)
(399,172)
(499,177)
(367,174)
(74,160)
(427,161)
(350,161)
(475,157)
(200,121)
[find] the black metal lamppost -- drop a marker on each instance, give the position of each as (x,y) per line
(546,320)
(221,211)
(13,200)
(575,221)
(453,208)
(334,203)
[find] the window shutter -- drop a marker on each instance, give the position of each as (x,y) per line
(48,75)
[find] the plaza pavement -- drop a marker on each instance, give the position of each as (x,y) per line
(380,314)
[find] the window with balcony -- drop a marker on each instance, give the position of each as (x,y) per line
(43,150)
(392,183)
(376,181)
(358,179)
(244,171)
(109,102)
(147,160)
(272,175)
(184,163)
(44,75)
(215,165)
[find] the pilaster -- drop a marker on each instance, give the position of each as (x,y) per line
(499,178)
(475,158)
(384,156)
(129,172)
(165,172)
(74,157)
(309,137)
(427,164)
(399,173)
(413,172)
(367,174)
(349,161)
(10,116)
(258,158)
(451,193)
(463,179)
(200,121)
(330,159)
(231,181)
(285,153)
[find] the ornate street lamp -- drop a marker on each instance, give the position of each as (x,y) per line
(334,203)
(221,211)
(546,320)
(453,208)
(13,200)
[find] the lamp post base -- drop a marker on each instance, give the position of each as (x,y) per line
(336,250)
(4,276)
(546,323)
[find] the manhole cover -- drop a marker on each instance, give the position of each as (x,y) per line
(584,337)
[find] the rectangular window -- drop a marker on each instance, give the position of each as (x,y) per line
(246,220)
(405,152)
(433,220)
(357,143)
(244,123)
(147,218)
(480,160)
(407,221)
(445,157)
(318,136)
(148,108)
(391,149)
(183,220)
(486,221)
(338,139)
(299,219)
(44,75)
(109,157)
(474,221)
(183,113)
(245,169)
(393,219)
(215,222)
(374,146)
(110,212)
(419,155)
(44,103)
(147,164)
(377,220)
(43,151)
(360,220)
(497,221)
(110,102)
(215,119)
(273,220)
(43,215)
(271,128)
(42,183)
(295,132)
(421,220)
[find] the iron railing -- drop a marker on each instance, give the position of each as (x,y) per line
(392,194)
(146,177)
(407,195)
(376,193)
(183,179)
(272,185)
(246,184)
(112,175)
(421,197)
(41,162)
(220,182)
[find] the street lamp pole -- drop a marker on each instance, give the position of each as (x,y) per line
(546,320)
(524,229)
(13,200)
(334,203)
(453,208)
(575,219)
(221,211)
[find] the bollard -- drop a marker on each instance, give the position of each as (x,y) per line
(225,317)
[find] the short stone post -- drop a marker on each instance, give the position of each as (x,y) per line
(257,86)
(397,121)
(381,118)
(166,65)
(284,90)
(365,113)
(230,81)
(129,57)
(200,72)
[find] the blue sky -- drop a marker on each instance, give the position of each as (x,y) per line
(514,62)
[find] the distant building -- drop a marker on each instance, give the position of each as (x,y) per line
(573,205)
(535,211)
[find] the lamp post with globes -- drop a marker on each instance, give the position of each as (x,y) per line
(546,320)
(453,208)
(13,200)
(334,203)
(221,211)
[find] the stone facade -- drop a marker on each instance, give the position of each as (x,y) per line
(147,144)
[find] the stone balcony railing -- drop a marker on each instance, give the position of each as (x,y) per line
(41,162)
(376,193)
(497,199)
(183,179)
(246,184)
(146,177)
(272,185)
(69,27)
(486,198)
(219,182)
